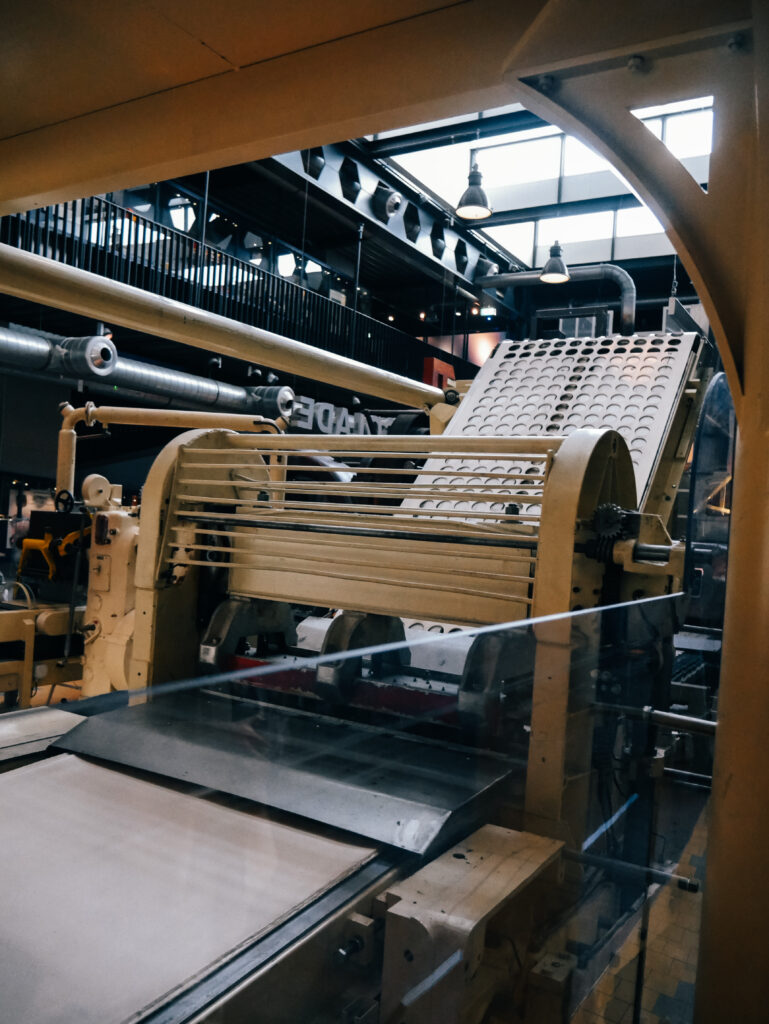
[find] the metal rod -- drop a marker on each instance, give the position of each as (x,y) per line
(689,778)
(379,511)
(532,478)
(339,538)
(396,444)
(652,552)
(431,530)
(684,723)
(106,415)
(638,871)
(358,250)
(202,242)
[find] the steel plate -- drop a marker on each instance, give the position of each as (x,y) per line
(389,787)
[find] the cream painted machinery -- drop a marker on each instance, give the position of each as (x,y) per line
(471,525)
(340,751)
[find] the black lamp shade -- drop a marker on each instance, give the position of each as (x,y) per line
(474,205)
(555,270)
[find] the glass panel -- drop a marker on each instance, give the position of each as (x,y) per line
(690,134)
(442,170)
(516,238)
(638,221)
(445,170)
(459,119)
(674,108)
(580,159)
(521,162)
(398,798)
(654,124)
(710,504)
(581,227)
(286,264)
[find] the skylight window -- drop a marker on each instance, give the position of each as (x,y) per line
(699,103)
(580,159)
(528,173)
(521,162)
(690,134)
(516,238)
(581,227)
(638,221)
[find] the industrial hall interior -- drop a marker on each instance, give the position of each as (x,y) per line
(384,512)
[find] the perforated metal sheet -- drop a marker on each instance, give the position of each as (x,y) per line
(630,384)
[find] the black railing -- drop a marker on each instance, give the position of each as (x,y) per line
(99,236)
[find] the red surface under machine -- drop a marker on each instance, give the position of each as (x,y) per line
(381,696)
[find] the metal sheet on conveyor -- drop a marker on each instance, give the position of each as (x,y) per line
(389,787)
(145,890)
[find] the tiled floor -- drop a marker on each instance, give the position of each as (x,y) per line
(671,955)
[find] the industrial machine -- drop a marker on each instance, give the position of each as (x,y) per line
(378,692)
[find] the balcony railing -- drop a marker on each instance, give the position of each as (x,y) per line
(103,238)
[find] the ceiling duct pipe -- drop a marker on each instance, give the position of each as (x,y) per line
(193,390)
(96,359)
(591,272)
(48,353)
(38,279)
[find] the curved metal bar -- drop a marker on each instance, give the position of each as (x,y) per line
(590,272)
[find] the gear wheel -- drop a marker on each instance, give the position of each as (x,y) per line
(609,525)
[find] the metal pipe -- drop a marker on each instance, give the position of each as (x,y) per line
(652,552)
(436,444)
(108,414)
(96,359)
(685,723)
(38,279)
(26,351)
(177,418)
(669,719)
(696,779)
(92,356)
(590,272)
(638,871)
(138,376)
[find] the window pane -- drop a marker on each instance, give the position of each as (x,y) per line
(443,170)
(579,159)
(673,108)
(580,228)
(179,217)
(516,238)
(654,124)
(286,264)
(690,134)
(521,162)
(639,221)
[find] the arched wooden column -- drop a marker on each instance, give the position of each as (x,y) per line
(588,86)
